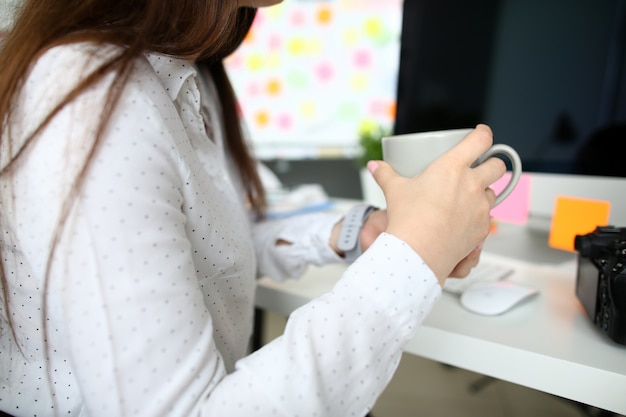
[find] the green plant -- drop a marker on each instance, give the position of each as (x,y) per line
(370,142)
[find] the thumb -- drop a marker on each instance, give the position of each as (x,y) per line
(381,171)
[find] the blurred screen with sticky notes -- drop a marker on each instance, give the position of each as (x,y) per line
(310,72)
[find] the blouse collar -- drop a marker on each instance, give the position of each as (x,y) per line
(171,71)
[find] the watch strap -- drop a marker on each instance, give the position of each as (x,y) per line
(350,234)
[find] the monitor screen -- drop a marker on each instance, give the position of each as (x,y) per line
(549,76)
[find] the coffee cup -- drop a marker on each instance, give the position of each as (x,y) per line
(409,154)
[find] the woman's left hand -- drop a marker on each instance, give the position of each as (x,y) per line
(375,224)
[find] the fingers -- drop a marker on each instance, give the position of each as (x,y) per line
(381,171)
(475,144)
(491,170)
(491,196)
(463,268)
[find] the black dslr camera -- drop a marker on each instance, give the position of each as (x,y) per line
(601,279)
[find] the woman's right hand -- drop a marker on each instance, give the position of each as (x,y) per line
(443,213)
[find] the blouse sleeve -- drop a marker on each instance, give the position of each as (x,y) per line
(307,240)
(339,351)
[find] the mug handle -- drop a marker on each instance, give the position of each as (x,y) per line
(516,167)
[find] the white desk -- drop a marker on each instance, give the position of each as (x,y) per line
(548,344)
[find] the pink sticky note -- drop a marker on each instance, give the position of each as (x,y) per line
(362,59)
(514,208)
(285,121)
(325,71)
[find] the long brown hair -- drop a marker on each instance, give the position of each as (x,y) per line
(232,124)
(202,30)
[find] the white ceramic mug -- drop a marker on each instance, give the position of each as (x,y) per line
(410,154)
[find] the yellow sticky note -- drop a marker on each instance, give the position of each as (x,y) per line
(576,216)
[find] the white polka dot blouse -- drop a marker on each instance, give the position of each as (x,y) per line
(137,298)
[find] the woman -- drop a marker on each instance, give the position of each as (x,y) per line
(129,254)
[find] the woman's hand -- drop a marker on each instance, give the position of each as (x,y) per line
(375,224)
(463,268)
(443,213)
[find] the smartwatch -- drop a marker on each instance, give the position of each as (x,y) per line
(350,234)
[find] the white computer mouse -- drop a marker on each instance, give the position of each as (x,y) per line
(493,298)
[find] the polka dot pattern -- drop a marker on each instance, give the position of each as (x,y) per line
(150,297)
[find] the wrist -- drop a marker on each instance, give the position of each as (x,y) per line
(427,248)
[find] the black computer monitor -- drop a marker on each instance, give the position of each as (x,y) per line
(549,76)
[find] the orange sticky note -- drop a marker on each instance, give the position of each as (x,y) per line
(576,216)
